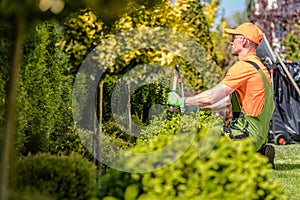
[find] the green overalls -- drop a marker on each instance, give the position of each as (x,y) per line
(256,127)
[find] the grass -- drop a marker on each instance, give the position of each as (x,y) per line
(287,169)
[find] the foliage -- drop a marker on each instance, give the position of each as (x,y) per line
(40,88)
(83,32)
(292,46)
(213,167)
(6,45)
(110,10)
(186,18)
(113,184)
(82,142)
(63,118)
(196,24)
(29,193)
(152,94)
(210,10)
(223,49)
(70,142)
(61,177)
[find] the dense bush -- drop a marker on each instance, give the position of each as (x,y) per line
(61,177)
(86,142)
(40,101)
(213,167)
(292,45)
(186,17)
(29,193)
(70,142)
(83,31)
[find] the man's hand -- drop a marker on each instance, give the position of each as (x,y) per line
(175,100)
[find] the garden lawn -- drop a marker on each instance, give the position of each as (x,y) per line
(287,169)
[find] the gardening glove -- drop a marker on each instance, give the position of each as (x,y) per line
(175,100)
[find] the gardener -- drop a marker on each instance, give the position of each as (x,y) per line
(248,83)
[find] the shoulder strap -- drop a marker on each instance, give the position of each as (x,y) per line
(253,63)
(256,66)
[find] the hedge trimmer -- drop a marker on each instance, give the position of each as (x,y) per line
(177,76)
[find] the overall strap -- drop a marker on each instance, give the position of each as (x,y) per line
(256,66)
(253,63)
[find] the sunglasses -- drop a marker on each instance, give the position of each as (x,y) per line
(236,36)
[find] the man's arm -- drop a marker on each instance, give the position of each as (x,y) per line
(209,97)
(220,105)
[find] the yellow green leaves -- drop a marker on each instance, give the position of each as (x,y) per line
(292,45)
(83,32)
(210,10)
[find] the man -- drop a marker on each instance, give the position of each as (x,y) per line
(249,85)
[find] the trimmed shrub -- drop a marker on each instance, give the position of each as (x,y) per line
(29,193)
(61,177)
(213,167)
(69,143)
(41,84)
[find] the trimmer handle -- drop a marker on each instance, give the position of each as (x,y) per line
(176,71)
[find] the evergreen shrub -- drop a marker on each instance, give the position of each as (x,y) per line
(29,193)
(71,142)
(213,167)
(41,84)
(61,177)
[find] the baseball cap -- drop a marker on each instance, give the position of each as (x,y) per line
(248,30)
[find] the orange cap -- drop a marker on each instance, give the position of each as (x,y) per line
(249,30)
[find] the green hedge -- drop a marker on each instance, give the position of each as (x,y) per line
(213,167)
(29,193)
(41,101)
(61,177)
(69,143)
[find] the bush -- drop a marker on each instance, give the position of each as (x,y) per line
(61,177)
(213,167)
(29,193)
(69,143)
(40,101)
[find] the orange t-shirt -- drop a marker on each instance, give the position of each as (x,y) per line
(248,83)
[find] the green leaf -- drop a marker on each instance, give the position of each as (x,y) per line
(131,192)
(109,198)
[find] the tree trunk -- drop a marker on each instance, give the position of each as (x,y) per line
(8,154)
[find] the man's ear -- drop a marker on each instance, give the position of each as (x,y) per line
(245,42)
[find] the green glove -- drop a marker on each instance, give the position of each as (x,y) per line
(175,100)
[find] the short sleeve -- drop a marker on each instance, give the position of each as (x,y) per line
(238,74)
